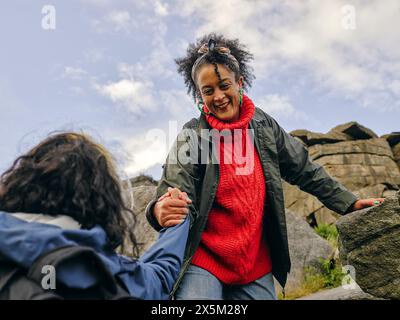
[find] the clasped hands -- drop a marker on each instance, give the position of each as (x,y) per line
(172,208)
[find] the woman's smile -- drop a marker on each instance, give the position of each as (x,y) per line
(222,107)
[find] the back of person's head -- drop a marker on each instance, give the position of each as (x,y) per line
(69,174)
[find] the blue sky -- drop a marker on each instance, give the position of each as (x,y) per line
(107,68)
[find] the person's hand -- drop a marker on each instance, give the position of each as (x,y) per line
(365,203)
(172,207)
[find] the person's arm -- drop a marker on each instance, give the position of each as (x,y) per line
(298,169)
(181,171)
(157,270)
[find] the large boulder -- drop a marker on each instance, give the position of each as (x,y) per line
(306,249)
(393,138)
(137,199)
(370,242)
(343,132)
(310,138)
(396,154)
(142,180)
(355,130)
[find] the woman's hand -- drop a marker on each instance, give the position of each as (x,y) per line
(172,208)
(365,203)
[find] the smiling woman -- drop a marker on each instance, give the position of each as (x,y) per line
(238,239)
(219,91)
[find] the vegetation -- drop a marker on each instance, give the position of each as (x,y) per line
(328,274)
(328,232)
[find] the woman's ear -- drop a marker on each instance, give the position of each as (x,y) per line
(240,82)
(198,96)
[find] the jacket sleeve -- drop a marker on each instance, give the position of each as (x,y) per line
(181,170)
(157,270)
(297,168)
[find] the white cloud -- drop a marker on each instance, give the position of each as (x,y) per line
(97,2)
(358,64)
(77,90)
(161,8)
(136,96)
(121,20)
(74,73)
(94,55)
(395,87)
(144,152)
(280,106)
(179,104)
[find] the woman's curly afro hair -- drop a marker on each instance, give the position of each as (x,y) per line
(238,50)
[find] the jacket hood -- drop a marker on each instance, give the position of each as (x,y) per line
(62,221)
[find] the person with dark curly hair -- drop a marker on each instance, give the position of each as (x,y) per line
(230,181)
(66,192)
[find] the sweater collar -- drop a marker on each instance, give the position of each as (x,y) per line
(246,113)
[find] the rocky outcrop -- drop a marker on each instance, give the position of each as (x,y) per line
(367,166)
(396,154)
(142,180)
(306,249)
(394,141)
(138,197)
(344,132)
(311,138)
(370,242)
(354,130)
(392,138)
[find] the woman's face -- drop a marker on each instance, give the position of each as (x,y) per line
(220,96)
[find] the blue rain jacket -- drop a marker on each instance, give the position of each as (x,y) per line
(151,277)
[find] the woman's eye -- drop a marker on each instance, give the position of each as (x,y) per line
(224,86)
(207,92)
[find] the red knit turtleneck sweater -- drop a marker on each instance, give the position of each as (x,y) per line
(232,245)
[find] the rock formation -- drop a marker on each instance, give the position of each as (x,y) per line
(138,194)
(356,157)
(306,249)
(370,242)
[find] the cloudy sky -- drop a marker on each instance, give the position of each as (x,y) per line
(106,67)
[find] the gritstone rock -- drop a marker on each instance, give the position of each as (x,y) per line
(306,249)
(370,242)
(365,167)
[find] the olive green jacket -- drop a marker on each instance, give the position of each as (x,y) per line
(281,156)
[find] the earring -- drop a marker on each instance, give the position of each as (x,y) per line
(240,97)
(200,106)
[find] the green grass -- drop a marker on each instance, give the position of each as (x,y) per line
(328,232)
(328,274)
